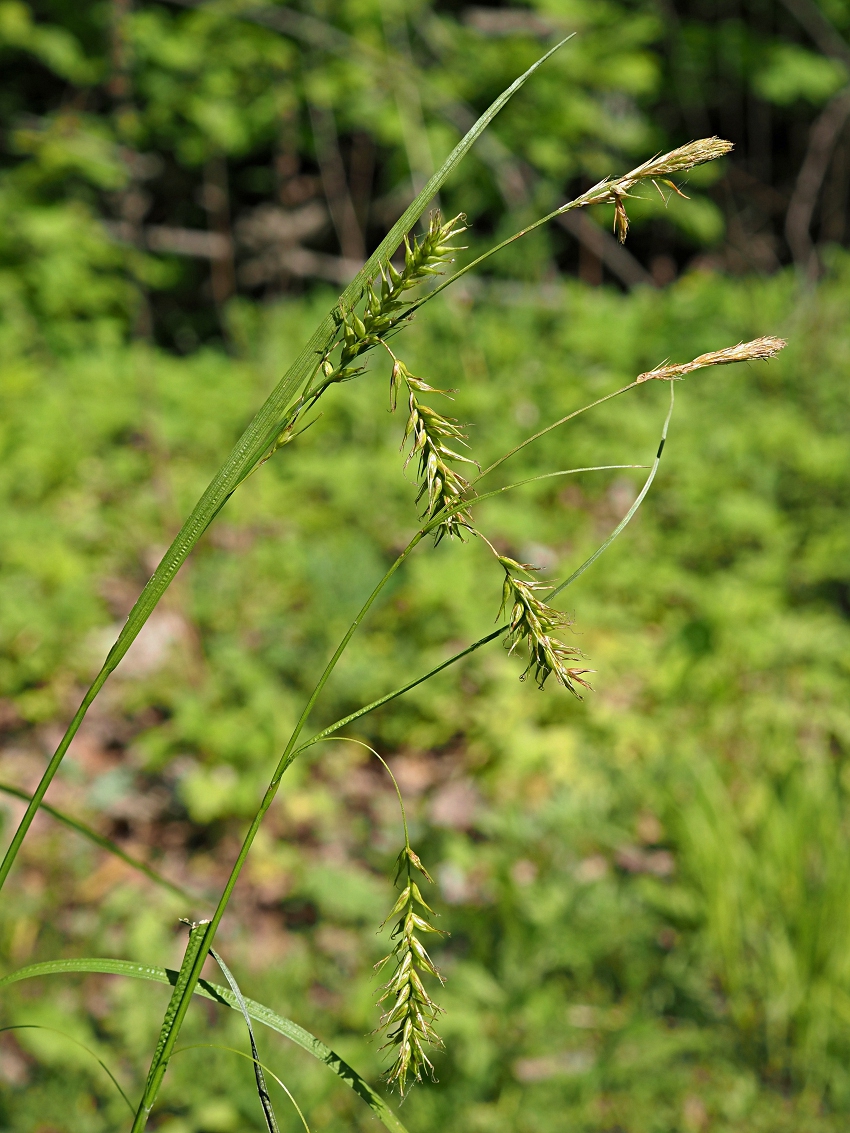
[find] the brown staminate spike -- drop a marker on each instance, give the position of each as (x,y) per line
(758,349)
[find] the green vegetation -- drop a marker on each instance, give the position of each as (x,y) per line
(641,894)
(644,890)
(248,147)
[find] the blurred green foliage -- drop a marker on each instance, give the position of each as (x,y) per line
(646,890)
(133,121)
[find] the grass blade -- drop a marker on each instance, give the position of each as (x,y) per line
(99,840)
(165,1043)
(250,448)
(82,1046)
(265,1100)
(207,990)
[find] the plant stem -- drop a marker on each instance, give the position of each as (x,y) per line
(289,754)
(549,428)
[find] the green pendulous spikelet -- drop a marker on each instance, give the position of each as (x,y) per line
(385,309)
(441,485)
(535,623)
(411,1013)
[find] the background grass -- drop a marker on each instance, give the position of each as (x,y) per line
(646,891)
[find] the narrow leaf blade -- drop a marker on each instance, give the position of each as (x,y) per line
(262,1090)
(99,840)
(207,990)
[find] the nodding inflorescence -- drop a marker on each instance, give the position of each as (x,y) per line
(444,488)
(534,622)
(411,1013)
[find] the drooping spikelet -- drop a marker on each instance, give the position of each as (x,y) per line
(441,485)
(532,621)
(409,1018)
(759,348)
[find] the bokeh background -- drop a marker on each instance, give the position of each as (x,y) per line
(647,891)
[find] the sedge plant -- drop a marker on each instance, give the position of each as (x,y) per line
(365,324)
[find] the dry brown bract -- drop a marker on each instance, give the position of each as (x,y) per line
(759,348)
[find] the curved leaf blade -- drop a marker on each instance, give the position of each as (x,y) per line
(257,1011)
(99,840)
(262,1089)
(76,1042)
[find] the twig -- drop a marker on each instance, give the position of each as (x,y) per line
(335,184)
(823,136)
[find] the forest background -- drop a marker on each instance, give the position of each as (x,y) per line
(646,890)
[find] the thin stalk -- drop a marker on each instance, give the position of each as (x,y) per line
(401,691)
(396,693)
(554,425)
(285,760)
(530,480)
(628,516)
(257,1065)
(579,202)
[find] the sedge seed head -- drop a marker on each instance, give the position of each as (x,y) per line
(534,623)
(410,1014)
(678,160)
(759,349)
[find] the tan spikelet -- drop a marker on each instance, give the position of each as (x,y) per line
(678,160)
(759,348)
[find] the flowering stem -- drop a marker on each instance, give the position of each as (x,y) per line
(289,754)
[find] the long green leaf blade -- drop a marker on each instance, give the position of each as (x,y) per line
(251,446)
(262,1090)
(99,840)
(257,1011)
(159,1062)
